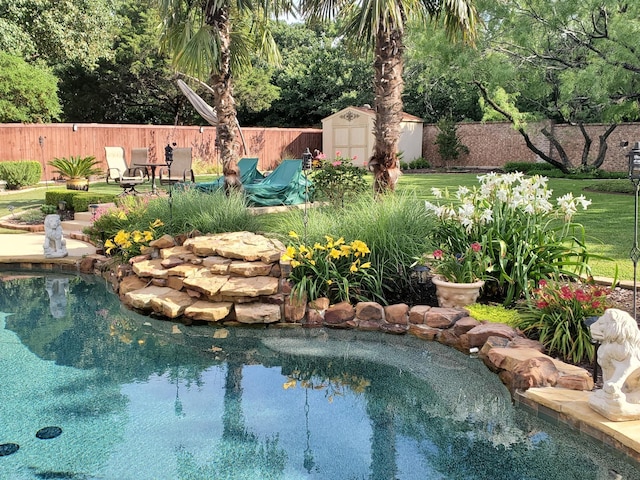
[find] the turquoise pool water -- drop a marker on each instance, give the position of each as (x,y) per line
(138,398)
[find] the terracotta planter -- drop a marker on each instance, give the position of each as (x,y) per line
(78,184)
(456,295)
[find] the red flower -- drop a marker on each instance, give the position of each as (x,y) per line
(596,305)
(542,304)
(438,254)
(542,283)
(476,247)
(581,296)
(566,293)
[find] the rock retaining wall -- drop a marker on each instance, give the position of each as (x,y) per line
(237,278)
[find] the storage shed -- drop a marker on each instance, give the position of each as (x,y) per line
(350,132)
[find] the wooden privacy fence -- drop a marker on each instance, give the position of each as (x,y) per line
(44,142)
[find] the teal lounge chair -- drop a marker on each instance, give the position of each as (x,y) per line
(286,185)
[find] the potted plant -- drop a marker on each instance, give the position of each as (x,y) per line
(459,276)
(76,170)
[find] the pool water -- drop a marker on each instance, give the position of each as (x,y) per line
(131,397)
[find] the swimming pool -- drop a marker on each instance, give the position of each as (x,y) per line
(138,398)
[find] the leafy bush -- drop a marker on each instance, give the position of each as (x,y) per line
(76,200)
(20,174)
(528,167)
(419,163)
(450,147)
(525,236)
(337,180)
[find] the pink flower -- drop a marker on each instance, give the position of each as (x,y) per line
(338,153)
(321,156)
(566,293)
(337,163)
(438,254)
(354,158)
(476,247)
(581,296)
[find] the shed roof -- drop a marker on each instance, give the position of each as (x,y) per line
(370,112)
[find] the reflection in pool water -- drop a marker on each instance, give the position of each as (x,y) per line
(137,398)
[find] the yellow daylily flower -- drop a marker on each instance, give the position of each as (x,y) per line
(334,253)
(295,263)
(148,236)
(329,282)
(345,250)
(157,223)
(366,265)
(121,237)
(109,245)
(317,246)
(340,241)
(293,234)
(138,237)
(353,268)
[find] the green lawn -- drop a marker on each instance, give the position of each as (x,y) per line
(608,221)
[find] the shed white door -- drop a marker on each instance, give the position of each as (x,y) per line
(350,141)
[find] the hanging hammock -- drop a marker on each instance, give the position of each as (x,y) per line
(204,109)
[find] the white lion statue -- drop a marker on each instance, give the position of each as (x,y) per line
(619,357)
(55,246)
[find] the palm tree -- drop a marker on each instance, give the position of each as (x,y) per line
(203,44)
(380,25)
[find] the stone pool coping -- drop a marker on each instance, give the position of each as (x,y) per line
(553,404)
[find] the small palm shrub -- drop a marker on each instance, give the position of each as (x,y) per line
(76,167)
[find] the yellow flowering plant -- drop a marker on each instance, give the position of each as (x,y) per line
(335,269)
(128,244)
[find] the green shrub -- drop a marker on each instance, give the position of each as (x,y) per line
(20,174)
(450,147)
(419,163)
(76,200)
(529,167)
(338,180)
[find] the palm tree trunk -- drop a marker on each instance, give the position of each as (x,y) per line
(224,103)
(388,86)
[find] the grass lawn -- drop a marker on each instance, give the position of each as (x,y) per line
(608,221)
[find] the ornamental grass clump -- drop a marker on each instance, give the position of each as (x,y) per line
(335,269)
(555,315)
(525,235)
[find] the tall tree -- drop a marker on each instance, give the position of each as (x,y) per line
(211,40)
(572,62)
(380,25)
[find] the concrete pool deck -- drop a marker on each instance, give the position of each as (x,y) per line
(556,405)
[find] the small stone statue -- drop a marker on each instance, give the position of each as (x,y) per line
(55,246)
(619,358)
